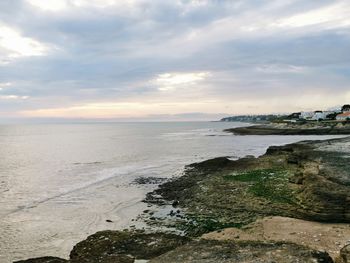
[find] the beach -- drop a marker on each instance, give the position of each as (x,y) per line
(61,183)
(196,207)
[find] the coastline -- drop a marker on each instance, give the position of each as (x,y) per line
(293,129)
(63,195)
(221,197)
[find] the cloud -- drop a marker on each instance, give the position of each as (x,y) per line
(16,45)
(52,5)
(180,78)
(331,16)
(5,85)
(280,68)
(173,81)
(13,97)
(79,57)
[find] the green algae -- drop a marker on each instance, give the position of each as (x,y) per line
(271,184)
(197,225)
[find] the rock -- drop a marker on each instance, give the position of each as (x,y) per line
(296,178)
(345,254)
(313,184)
(149,180)
(290,129)
(211,164)
(307,180)
(43,260)
(208,251)
(124,246)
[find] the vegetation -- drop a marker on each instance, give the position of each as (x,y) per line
(332,116)
(197,225)
(345,107)
(271,184)
(253,118)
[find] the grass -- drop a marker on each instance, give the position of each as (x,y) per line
(271,184)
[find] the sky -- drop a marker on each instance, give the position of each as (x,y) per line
(171,59)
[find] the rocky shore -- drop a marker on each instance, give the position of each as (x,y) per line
(314,128)
(290,205)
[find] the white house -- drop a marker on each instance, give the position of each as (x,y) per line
(315,115)
(318,115)
(307,115)
(343,116)
(321,115)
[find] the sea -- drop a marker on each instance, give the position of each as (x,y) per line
(60,183)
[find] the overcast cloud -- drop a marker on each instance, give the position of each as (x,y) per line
(141,58)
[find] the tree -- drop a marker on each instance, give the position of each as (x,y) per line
(346,107)
(332,116)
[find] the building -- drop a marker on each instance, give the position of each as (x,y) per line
(318,115)
(315,115)
(321,115)
(306,115)
(343,116)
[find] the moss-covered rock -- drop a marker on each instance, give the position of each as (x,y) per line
(124,246)
(303,180)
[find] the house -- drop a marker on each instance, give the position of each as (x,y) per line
(343,116)
(306,115)
(318,115)
(322,115)
(315,115)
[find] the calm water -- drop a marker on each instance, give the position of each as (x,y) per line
(60,183)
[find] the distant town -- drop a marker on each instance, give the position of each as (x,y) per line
(340,115)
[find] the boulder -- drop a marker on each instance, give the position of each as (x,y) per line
(345,254)
(124,246)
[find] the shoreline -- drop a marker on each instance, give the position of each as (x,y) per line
(217,196)
(293,129)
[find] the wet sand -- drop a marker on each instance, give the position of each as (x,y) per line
(54,232)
